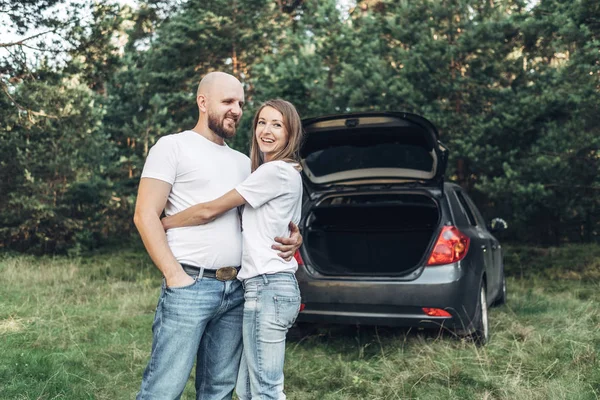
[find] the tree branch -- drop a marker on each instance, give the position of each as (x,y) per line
(38,49)
(22,108)
(22,41)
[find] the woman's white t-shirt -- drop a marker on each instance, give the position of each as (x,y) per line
(274,196)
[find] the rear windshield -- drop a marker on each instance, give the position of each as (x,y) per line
(377,155)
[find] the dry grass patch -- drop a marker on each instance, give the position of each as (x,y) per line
(11,325)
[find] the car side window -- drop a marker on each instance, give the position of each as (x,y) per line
(465,207)
(475,210)
(460,218)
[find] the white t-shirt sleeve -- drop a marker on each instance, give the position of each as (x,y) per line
(266,183)
(161,162)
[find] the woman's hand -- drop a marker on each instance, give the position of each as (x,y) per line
(203,213)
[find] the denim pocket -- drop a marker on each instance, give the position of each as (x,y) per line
(182,287)
(286,310)
(250,296)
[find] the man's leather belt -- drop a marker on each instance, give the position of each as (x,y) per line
(222,274)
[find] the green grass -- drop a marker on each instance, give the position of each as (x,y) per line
(79,328)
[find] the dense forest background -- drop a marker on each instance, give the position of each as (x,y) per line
(512,85)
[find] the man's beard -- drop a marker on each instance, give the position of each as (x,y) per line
(218,126)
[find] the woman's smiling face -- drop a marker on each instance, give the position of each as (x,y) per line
(271,134)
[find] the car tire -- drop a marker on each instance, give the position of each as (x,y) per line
(481,328)
(301,330)
(501,299)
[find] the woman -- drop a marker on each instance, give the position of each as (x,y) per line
(273,193)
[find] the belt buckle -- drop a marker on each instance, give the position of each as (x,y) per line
(226,273)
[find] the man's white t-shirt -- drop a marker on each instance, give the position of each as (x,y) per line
(274,196)
(199,170)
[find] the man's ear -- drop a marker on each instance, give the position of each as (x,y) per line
(202,102)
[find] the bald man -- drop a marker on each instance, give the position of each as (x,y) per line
(200,308)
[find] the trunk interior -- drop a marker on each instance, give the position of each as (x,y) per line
(370,234)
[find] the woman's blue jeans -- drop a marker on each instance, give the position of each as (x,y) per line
(272,303)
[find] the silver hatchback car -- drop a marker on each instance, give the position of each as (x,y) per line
(386,240)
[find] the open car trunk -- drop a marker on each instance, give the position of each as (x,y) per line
(370,234)
(354,149)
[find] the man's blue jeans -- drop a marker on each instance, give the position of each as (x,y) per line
(202,321)
(271,307)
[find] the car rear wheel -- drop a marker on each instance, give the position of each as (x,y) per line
(501,299)
(301,330)
(481,328)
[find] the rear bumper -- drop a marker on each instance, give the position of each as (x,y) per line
(391,301)
(407,319)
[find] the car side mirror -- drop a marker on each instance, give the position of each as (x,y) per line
(498,225)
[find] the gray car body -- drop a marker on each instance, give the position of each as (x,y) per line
(398,300)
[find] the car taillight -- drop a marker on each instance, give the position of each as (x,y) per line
(436,312)
(451,246)
(302,305)
(298,257)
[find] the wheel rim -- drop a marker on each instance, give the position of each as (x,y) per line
(484,314)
